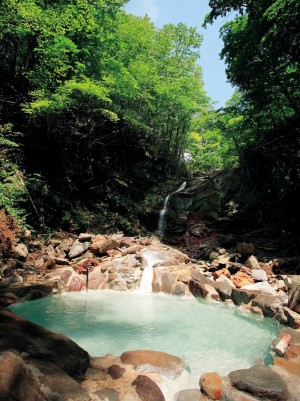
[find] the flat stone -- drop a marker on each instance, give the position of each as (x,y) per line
(147,359)
(147,389)
(241,279)
(290,366)
(260,381)
(108,394)
(188,395)
(263,286)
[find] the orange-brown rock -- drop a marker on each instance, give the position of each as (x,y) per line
(101,244)
(289,365)
(211,385)
(240,279)
(293,352)
(160,360)
(219,273)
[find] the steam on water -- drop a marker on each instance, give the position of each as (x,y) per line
(207,336)
(162,213)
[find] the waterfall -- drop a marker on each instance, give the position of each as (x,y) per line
(161,220)
(150,258)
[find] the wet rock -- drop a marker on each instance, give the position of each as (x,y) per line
(292,317)
(115,371)
(16,380)
(173,279)
(261,382)
(75,284)
(197,289)
(283,344)
(40,343)
(55,381)
(224,286)
(166,363)
(188,395)
(289,365)
(242,296)
(108,394)
(147,389)
(271,306)
(211,385)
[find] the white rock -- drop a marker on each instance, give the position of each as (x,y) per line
(263,286)
(259,275)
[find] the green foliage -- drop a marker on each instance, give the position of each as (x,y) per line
(261,49)
(12,189)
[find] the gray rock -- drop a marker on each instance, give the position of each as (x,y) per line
(108,394)
(260,381)
(78,248)
(242,296)
(259,275)
(292,317)
(271,305)
(188,395)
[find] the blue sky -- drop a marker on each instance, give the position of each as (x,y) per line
(192,13)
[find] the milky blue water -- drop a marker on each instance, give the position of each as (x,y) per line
(207,336)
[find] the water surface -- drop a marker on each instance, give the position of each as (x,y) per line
(207,336)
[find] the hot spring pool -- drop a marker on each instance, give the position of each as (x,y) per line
(207,336)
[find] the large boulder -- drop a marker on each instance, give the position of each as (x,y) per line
(261,382)
(24,379)
(271,305)
(16,333)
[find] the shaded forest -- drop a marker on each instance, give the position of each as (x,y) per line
(98,106)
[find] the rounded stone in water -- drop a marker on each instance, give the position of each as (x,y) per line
(207,336)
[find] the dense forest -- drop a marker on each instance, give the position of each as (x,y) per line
(97,106)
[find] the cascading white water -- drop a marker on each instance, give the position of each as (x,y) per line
(150,258)
(161,220)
